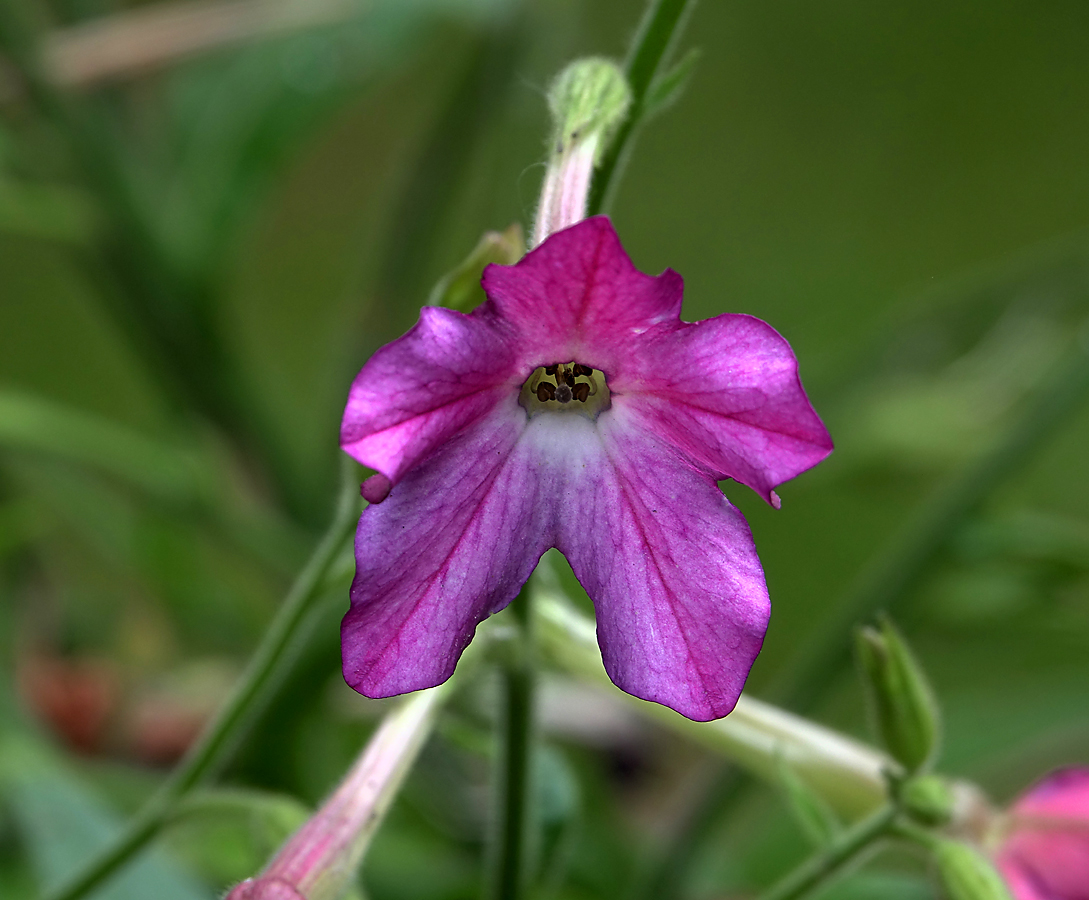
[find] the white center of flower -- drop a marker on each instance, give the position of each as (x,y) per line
(565,387)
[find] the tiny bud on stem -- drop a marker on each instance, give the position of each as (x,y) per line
(588,100)
(904,707)
(967,875)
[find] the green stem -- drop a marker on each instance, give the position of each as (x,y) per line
(818,869)
(268,664)
(513,795)
(665,876)
(887,582)
(659,31)
(909,831)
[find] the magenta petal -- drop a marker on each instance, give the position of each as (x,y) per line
(1046,855)
(1023,884)
(681,602)
(1062,793)
(417,392)
(578,297)
(726,393)
(455,541)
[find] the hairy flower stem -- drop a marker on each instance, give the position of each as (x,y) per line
(513,788)
(269,662)
(818,870)
(661,28)
(320,860)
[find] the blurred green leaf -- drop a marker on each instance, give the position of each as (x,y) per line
(62,823)
(30,423)
(460,288)
(814,816)
(667,90)
(229,834)
(237,117)
(53,212)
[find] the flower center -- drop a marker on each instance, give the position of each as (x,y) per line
(565,387)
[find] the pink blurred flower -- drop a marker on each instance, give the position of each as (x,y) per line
(1045,852)
(573,409)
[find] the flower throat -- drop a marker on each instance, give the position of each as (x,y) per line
(565,387)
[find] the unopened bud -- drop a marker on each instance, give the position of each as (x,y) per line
(460,288)
(928,800)
(588,101)
(904,707)
(967,874)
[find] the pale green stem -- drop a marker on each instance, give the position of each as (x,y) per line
(513,814)
(757,736)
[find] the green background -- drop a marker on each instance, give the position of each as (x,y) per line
(900,189)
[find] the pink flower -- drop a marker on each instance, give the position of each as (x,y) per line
(1045,854)
(574,410)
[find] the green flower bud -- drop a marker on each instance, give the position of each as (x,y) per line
(967,874)
(903,704)
(588,100)
(460,288)
(928,800)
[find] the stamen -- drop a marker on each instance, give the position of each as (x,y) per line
(552,388)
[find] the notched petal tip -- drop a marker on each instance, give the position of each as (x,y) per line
(726,392)
(579,296)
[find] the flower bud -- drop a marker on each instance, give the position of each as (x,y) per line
(588,101)
(967,875)
(903,704)
(928,800)
(460,287)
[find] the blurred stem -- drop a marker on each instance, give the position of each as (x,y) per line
(664,877)
(513,819)
(889,580)
(659,31)
(269,663)
(816,871)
